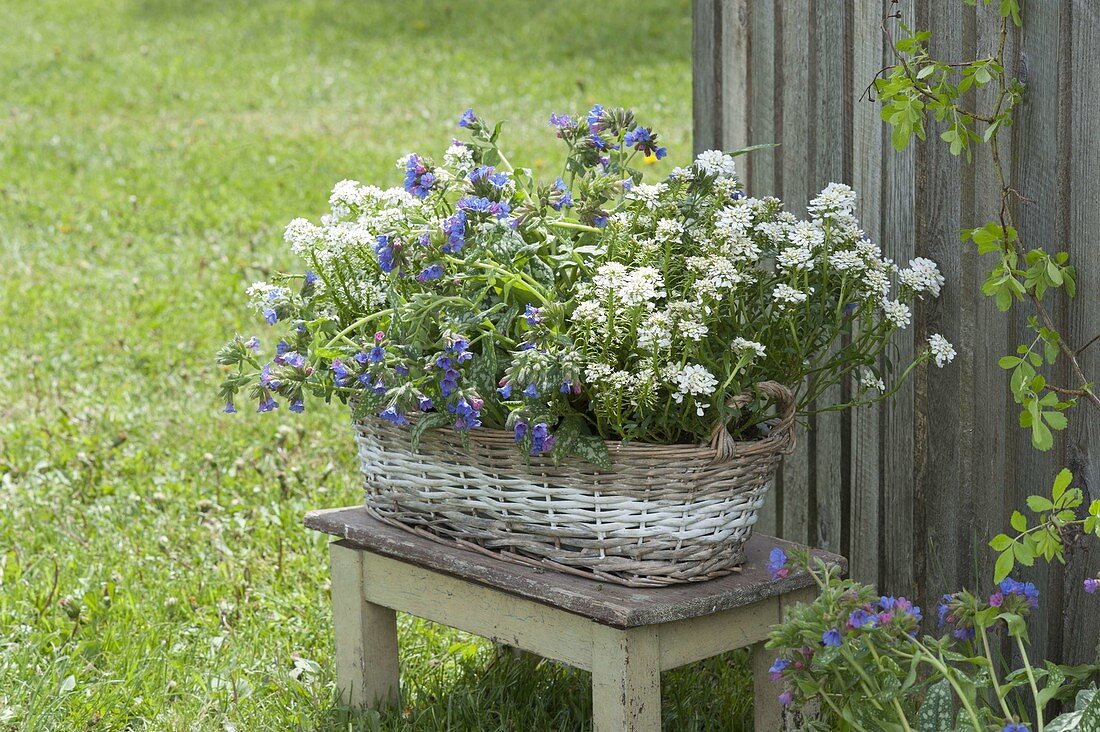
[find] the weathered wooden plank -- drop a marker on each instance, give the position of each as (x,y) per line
(720,42)
(687,641)
(793,129)
(626,680)
(897,573)
(831,142)
(367,668)
(941,509)
(597,601)
(861,544)
(1082,612)
(1041,221)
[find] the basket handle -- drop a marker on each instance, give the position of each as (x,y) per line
(780,438)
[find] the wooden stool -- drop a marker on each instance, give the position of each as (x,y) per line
(625,636)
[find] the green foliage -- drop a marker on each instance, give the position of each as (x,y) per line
(154,571)
(1044,537)
(861,657)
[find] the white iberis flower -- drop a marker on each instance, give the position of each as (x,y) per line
(943,351)
(806,234)
(744,345)
(922,276)
(647,193)
(795,258)
(896,312)
(301,235)
(458,157)
(835,198)
(669,229)
(846,260)
(868,380)
(692,379)
(785,294)
(716,162)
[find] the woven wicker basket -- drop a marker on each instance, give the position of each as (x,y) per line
(664,514)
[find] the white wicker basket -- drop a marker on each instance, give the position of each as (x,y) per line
(664,514)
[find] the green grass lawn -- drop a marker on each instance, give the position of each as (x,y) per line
(154,573)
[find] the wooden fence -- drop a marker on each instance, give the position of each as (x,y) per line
(911,490)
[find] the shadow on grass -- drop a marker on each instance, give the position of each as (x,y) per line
(528,694)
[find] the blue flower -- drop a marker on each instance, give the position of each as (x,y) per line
(566,387)
(384,250)
(418,178)
(600,221)
(252,344)
(468,119)
(229,408)
(449,383)
(311,277)
(520,431)
(531,391)
(943,609)
(267,403)
(786,698)
(424,403)
(505,391)
(267,379)
(365,380)
(297,405)
(1015,727)
(531,315)
(294,359)
(429,273)
(455,229)
(563,123)
(377,353)
(391,414)
(861,618)
(468,413)
(541,439)
(401,369)
(1028,590)
(379,388)
(281,347)
(777,564)
(340,372)
(594,116)
(776,670)
(831,637)
(270,315)
(562,198)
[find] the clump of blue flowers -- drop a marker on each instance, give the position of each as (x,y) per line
(864,659)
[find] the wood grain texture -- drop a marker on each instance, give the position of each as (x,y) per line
(864,488)
(929,476)
(626,680)
(1082,30)
(608,604)
(793,128)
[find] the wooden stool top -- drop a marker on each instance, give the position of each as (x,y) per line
(601,602)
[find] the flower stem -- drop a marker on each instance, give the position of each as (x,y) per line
(993,673)
(562,224)
(1031,682)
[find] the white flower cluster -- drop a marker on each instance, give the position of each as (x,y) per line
(942,350)
(922,277)
(692,380)
(896,312)
(716,162)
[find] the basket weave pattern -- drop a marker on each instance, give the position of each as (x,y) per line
(663,514)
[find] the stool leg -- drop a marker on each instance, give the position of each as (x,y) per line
(626,680)
(367,670)
(767,713)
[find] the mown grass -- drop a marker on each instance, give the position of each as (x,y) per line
(154,573)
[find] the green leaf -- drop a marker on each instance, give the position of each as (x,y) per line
(1000,542)
(936,713)
(1005,564)
(1018,521)
(1041,437)
(1038,504)
(428,421)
